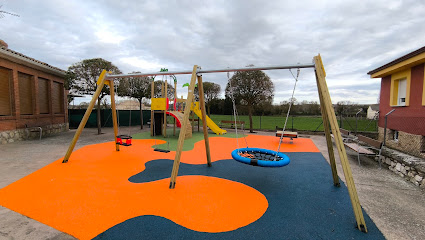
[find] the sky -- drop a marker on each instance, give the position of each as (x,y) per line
(353,37)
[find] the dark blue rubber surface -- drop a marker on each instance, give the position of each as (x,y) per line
(303,203)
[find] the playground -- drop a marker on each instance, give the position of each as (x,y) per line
(218,184)
(24,162)
(106,194)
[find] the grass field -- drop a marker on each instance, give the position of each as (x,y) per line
(299,123)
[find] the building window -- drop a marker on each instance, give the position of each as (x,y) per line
(5,92)
(401,95)
(25,94)
(423,144)
(57,97)
(400,88)
(395,135)
(43,95)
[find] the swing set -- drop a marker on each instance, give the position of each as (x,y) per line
(257,156)
(328,116)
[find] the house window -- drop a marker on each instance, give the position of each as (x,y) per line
(43,95)
(25,93)
(400,88)
(401,95)
(423,144)
(5,92)
(57,97)
(395,135)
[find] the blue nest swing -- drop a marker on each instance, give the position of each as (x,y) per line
(260,157)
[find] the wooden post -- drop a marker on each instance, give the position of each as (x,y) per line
(175,106)
(114,114)
(101,83)
(204,119)
(326,98)
(164,132)
(174,127)
(180,142)
(193,117)
(328,138)
(152,111)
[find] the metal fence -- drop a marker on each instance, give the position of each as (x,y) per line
(302,123)
(76,115)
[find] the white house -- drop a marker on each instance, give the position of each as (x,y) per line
(372,111)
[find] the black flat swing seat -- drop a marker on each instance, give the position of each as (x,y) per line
(124,140)
(161,150)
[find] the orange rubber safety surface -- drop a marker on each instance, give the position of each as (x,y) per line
(91,193)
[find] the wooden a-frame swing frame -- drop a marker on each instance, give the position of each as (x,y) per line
(327,110)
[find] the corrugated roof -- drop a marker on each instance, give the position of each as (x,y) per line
(21,58)
(398,60)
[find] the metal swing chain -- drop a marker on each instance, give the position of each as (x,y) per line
(235,115)
(289,110)
(116,109)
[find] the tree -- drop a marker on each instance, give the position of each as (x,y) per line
(69,84)
(158,89)
(84,76)
(250,88)
(136,87)
(346,107)
(211,92)
(264,109)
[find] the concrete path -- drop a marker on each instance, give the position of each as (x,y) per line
(396,206)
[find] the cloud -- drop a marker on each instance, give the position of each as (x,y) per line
(353,37)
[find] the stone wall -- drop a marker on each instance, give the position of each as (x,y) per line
(31,133)
(409,167)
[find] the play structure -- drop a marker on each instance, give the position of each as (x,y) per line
(160,108)
(328,115)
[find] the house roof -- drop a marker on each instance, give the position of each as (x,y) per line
(128,105)
(374,107)
(30,62)
(407,61)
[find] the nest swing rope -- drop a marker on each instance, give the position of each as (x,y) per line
(258,156)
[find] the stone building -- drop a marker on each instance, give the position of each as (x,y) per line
(403,90)
(32,97)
